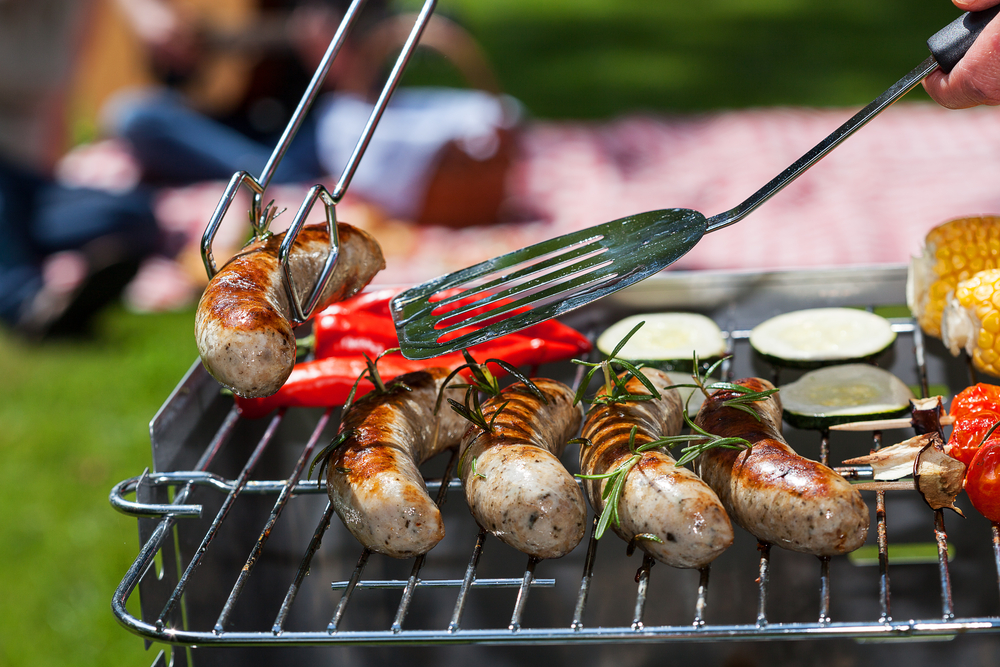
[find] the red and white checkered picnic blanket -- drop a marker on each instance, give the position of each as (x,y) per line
(869,202)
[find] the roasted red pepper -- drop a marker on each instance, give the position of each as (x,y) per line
(348,330)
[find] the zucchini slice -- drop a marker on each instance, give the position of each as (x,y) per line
(822,336)
(840,394)
(666,341)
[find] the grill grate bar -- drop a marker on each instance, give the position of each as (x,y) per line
(418,563)
(947,604)
(227,505)
(498,582)
(702,600)
(220,438)
(467,581)
(338,615)
(588,575)
(824,590)
(996,549)
(882,539)
(918,353)
(762,577)
(300,574)
(279,506)
(824,567)
(404,602)
(642,579)
(522,595)
(944,574)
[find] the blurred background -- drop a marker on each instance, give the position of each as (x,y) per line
(601,108)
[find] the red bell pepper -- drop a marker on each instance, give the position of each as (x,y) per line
(348,330)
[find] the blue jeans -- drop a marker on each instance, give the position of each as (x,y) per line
(175,144)
(39,217)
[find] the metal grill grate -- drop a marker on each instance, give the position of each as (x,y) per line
(204,452)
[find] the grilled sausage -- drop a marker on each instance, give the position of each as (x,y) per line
(658,497)
(775,494)
(373,479)
(242,325)
(514,482)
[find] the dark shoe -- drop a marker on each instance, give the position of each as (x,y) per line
(55,314)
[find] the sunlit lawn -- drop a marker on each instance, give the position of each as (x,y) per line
(74,416)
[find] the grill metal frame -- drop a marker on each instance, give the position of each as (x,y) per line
(183,458)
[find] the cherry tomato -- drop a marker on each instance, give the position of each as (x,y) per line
(967,434)
(982,480)
(975,399)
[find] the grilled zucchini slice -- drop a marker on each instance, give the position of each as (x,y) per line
(840,394)
(667,341)
(821,337)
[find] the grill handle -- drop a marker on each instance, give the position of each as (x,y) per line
(952,42)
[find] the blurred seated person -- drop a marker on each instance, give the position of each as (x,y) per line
(64,252)
(439,156)
(178,140)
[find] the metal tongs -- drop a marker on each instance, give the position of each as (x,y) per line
(261,216)
(527,286)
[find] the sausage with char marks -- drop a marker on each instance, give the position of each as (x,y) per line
(658,497)
(373,478)
(515,484)
(775,494)
(242,325)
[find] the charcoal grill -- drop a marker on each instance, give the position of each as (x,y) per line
(241,556)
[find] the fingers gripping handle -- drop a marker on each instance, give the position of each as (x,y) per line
(952,42)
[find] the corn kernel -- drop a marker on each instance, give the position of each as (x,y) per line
(986,340)
(980,296)
(991,322)
(960,249)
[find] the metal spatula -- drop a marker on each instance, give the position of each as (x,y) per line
(527,286)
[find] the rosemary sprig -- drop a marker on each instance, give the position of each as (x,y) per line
(741,402)
(614,386)
(703,441)
(699,440)
(323,458)
(483,380)
(371,371)
(373,376)
(634,542)
(472,410)
(616,482)
(989,433)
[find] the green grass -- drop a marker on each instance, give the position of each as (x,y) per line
(73,422)
(601,58)
(73,417)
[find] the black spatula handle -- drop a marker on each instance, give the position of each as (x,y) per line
(951,43)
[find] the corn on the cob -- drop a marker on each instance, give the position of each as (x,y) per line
(971,320)
(952,252)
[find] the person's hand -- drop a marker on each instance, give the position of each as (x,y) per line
(975,79)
